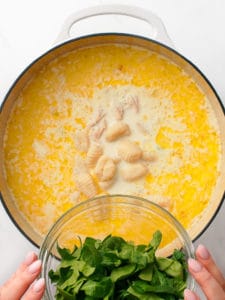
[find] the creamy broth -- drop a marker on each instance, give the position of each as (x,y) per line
(173,122)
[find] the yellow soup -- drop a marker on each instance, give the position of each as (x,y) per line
(149,120)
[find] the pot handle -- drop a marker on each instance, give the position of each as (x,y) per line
(159,32)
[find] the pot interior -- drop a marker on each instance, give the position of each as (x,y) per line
(197,227)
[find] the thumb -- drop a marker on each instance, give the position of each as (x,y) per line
(206,281)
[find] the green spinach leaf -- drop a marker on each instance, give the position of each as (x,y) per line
(117,269)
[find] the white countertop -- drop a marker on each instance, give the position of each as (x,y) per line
(29,28)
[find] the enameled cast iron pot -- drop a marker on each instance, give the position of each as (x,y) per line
(160,44)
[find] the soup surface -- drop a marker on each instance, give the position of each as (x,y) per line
(111,119)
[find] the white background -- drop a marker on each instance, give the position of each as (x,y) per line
(29,28)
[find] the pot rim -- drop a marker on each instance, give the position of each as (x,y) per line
(114,34)
(30,65)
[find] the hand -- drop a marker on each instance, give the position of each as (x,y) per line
(22,282)
(207,275)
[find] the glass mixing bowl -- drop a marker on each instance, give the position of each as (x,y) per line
(133,218)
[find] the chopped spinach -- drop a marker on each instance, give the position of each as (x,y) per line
(118,269)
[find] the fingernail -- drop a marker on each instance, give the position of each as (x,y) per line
(34,267)
(194,265)
(29,258)
(188,295)
(39,285)
(203,252)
